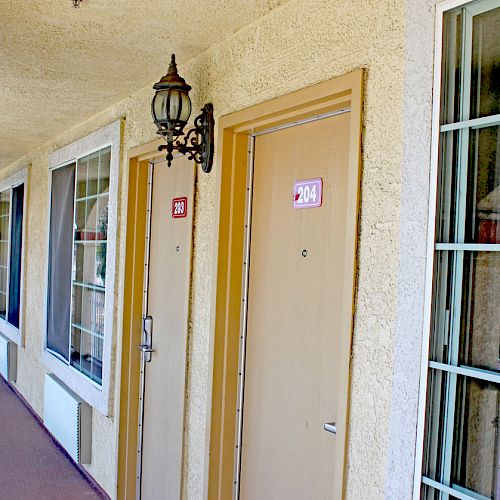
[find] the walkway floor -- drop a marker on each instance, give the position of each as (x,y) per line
(32,466)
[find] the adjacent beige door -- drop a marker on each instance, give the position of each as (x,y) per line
(168,300)
(296,304)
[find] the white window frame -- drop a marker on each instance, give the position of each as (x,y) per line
(8,330)
(437,128)
(97,396)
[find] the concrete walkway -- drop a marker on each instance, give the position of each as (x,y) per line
(32,466)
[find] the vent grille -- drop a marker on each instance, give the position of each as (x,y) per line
(69,419)
(8,359)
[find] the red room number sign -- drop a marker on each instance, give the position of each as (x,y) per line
(179,207)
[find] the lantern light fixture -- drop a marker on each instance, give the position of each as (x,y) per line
(171,108)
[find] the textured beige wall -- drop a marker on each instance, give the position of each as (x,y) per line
(294,46)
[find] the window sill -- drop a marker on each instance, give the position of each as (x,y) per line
(10,332)
(95,395)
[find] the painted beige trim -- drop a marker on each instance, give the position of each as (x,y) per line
(233,132)
(132,322)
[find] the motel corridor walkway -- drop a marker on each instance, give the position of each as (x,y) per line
(31,464)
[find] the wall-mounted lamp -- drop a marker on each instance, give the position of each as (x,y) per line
(76,3)
(171,108)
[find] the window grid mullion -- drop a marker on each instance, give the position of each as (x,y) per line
(474,123)
(453,355)
(467,371)
(459,236)
(72,263)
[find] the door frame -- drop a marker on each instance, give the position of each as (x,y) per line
(130,379)
(233,134)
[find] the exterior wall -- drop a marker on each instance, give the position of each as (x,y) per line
(417,102)
(296,45)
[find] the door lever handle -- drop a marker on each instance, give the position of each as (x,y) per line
(330,427)
(147,338)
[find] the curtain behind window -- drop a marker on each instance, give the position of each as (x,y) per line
(15,254)
(60,260)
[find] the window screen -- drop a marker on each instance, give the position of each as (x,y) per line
(16,247)
(60,259)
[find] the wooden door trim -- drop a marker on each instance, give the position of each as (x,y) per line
(137,199)
(232,146)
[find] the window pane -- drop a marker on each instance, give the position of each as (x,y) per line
(435,425)
(85,259)
(441,310)
(93,174)
(447,187)
(76,317)
(86,220)
(15,255)
(5,205)
(4,253)
(429,493)
(87,308)
(473,449)
(475,441)
(480,325)
(99,303)
(451,66)
(483,197)
(3,305)
(104,165)
(485,84)
(87,341)
(60,259)
(478,293)
(100,264)
(76,335)
(102,217)
(81,178)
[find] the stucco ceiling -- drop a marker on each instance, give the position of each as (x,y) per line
(59,65)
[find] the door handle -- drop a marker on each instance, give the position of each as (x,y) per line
(330,427)
(147,336)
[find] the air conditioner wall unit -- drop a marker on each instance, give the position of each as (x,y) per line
(69,419)
(8,359)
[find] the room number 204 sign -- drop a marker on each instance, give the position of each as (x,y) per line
(308,193)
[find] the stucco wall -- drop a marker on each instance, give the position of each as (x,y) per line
(294,46)
(417,99)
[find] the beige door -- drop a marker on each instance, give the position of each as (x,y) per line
(295,315)
(167,304)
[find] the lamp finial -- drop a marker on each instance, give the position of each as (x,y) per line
(172,68)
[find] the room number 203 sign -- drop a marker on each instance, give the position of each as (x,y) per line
(308,193)
(179,207)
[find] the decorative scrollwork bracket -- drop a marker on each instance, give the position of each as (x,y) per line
(198,143)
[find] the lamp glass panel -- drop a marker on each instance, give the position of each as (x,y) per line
(160,105)
(174,105)
(186,107)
